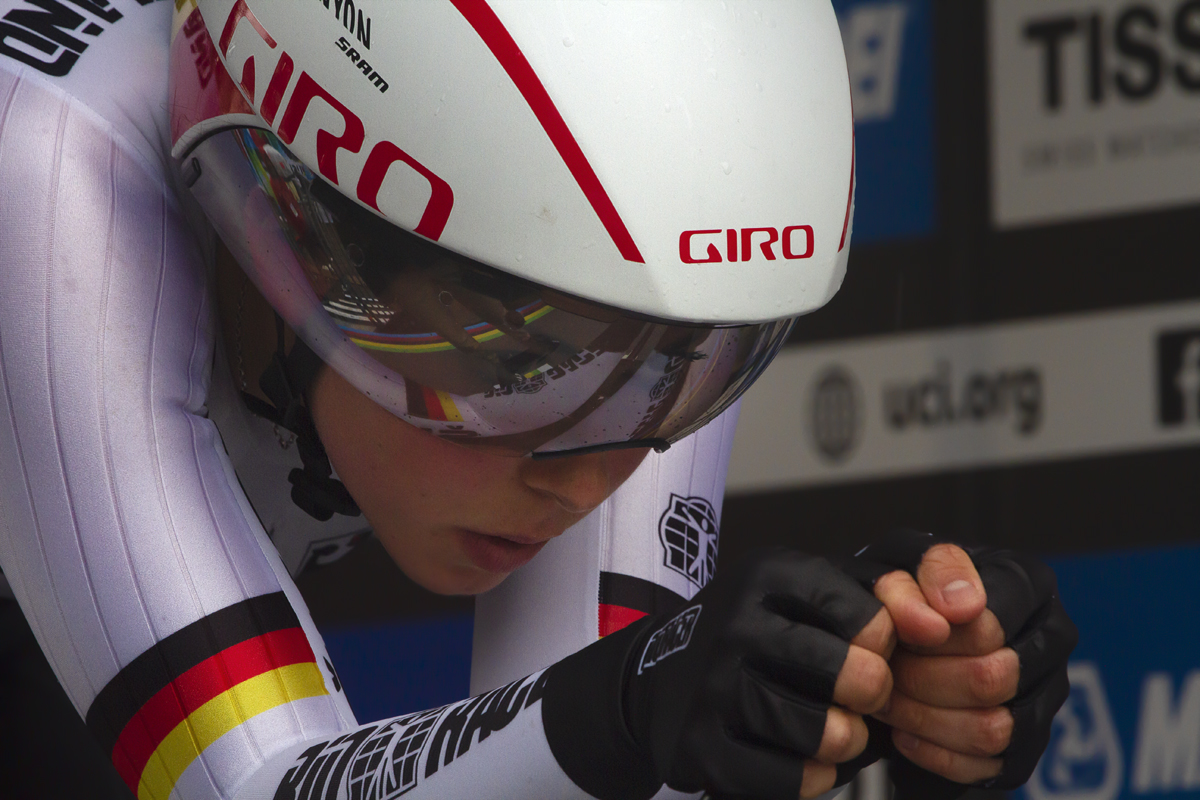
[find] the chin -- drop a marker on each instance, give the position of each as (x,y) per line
(456,580)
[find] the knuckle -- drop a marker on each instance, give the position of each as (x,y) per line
(995,731)
(990,682)
(838,736)
(877,684)
(946,555)
(893,581)
(844,738)
(818,779)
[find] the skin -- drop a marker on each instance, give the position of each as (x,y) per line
(931,663)
(427,498)
(948,674)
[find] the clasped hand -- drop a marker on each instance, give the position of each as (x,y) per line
(936,666)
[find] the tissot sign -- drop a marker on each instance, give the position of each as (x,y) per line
(1095,107)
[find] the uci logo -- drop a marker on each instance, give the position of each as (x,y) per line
(794,241)
(1083,760)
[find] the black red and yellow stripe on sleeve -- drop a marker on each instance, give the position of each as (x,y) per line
(625,599)
(163,709)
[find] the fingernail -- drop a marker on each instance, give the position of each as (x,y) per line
(906,741)
(958,591)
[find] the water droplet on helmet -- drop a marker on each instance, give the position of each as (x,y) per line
(568,41)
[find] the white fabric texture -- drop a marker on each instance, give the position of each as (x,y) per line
(122,521)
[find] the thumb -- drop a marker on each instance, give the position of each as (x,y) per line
(951,584)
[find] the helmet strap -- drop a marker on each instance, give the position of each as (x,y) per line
(285,381)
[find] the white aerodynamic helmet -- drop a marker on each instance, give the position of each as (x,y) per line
(540,227)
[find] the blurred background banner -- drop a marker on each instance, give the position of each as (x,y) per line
(1014,359)
(1065,387)
(1131,727)
(1088,95)
(890,63)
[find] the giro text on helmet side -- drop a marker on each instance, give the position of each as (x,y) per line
(535,227)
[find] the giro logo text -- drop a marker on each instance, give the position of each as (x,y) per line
(1179,378)
(670,638)
(744,244)
(1014,394)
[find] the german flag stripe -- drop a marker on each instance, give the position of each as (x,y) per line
(252,637)
(218,716)
(192,690)
(416,399)
(449,410)
(433,404)
(624,599)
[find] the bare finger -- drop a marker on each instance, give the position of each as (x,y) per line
(864,682)
(982,732)
(818,779)
(958,681)
(915,620)
(879,635)
(978,637)
(951,584)
(950,765)
(844,738)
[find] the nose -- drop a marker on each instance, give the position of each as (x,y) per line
(577,483)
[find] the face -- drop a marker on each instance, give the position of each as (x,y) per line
(456,520)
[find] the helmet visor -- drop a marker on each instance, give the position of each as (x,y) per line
(451,345)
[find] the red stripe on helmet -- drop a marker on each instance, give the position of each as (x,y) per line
(489,27)
(850,198)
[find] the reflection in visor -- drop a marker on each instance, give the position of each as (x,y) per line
(456,347)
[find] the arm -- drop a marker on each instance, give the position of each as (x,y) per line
(174,627)
(149,583)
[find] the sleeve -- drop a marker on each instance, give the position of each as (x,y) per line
(147,579)
(648,548)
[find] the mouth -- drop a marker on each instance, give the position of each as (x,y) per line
(497,554)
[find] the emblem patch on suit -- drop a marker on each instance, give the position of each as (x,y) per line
(688,530)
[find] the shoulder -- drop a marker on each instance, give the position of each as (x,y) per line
(109,55)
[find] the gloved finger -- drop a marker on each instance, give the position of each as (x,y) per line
(817,665)
(844,738)
(1031,730)
(814,592)
(951,584)
(769,714)
(818,779)
(958,681)
(916,622)
(898,549)
(1017,585)
(983,732)
(879,636)
(741,769)
(978,637)
(946,763)
(1043,648)
(864,682)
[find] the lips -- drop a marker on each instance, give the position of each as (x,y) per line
(497,554)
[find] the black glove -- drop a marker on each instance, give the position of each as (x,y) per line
(727,693)
(1023,594)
